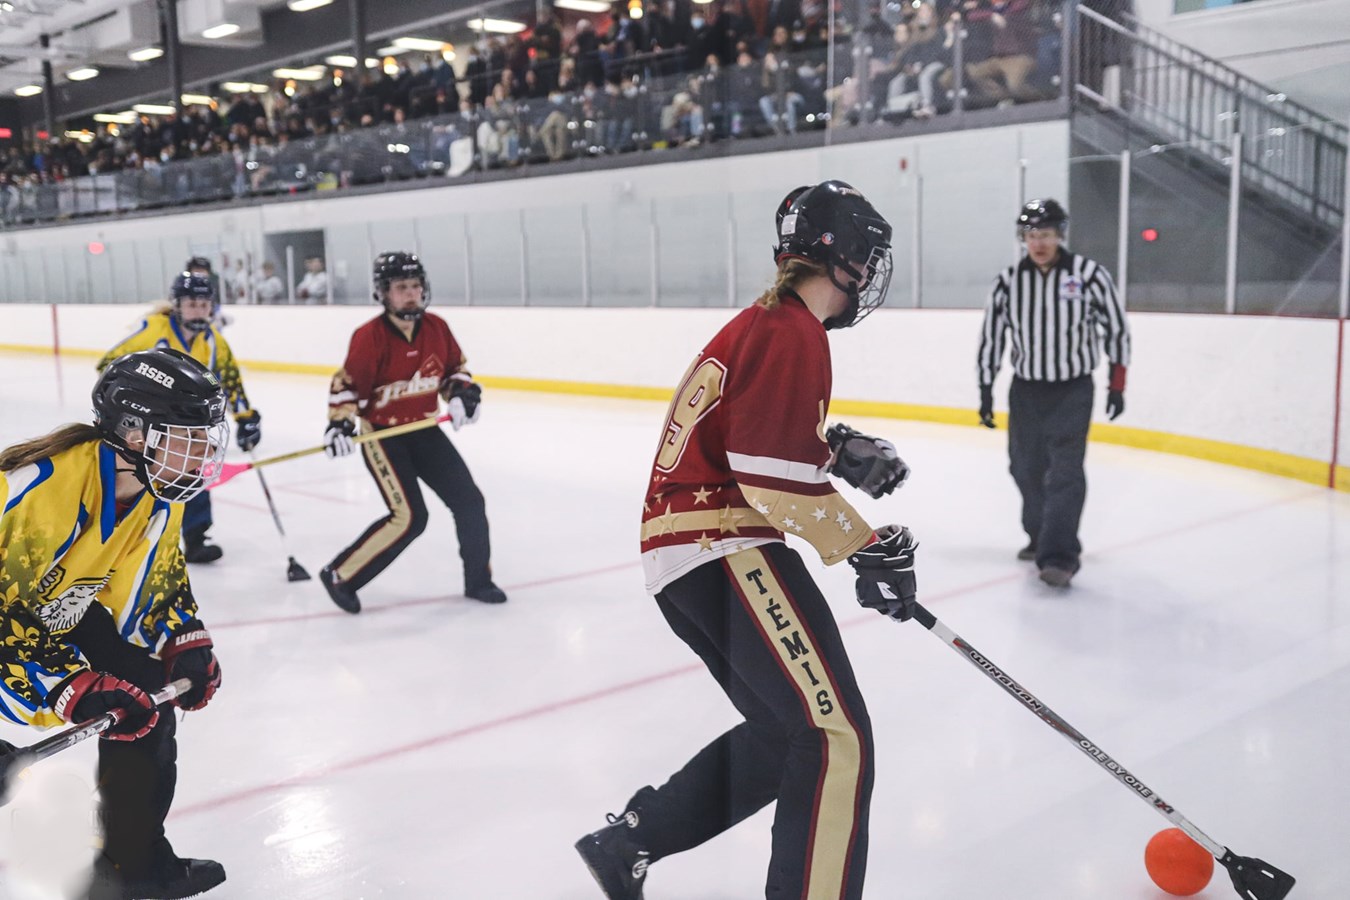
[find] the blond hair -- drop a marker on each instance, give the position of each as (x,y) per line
(791,273)
(28,452)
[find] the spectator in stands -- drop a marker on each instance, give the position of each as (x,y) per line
(1004,75)
(585,51)
(745,85)
(313,288)
(781,101)
(546,42)
(682,121)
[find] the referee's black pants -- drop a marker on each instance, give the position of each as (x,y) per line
(396,464)
(136,779)
(761,626)
(1047,442)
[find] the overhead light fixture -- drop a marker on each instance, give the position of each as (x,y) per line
(635,9)
(392,50)
(224,29)
(426,45)
(243,87)
(122,118)
(84,137)
(306,5)
(500,26)
(28,90)
(347,61)
(587,6)
(145,54)
(154,109)
(6,6)
(82,74)
(198,99)
(310,73)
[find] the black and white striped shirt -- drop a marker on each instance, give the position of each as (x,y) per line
(1056,320)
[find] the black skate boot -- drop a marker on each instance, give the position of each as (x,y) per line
(174,878)
(486,593)
(344,596)
(617,862)
(198,548)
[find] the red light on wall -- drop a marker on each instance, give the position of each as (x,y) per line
(6,133)
(95,248)
(1149,235)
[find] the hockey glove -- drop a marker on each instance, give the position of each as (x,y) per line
(885,570)
(87,695)
(463,397)
(337,440)
(1115,404)
(188,654)
(987,405)
(868,463)
(248,429)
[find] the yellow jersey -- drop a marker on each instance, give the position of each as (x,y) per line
(64,545)
(161,329)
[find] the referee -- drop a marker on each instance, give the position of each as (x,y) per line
(1057,308)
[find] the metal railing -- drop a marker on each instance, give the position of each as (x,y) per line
(1180,95)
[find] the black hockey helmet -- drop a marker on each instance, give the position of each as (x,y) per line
(1043,214)
(175,408)
(198,262)
(832,224)
(187,286)
(396,265)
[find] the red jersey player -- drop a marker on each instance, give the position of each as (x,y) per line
(743,461)
(396,366)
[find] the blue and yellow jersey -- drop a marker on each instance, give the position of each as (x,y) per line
(161,329)
(63,546)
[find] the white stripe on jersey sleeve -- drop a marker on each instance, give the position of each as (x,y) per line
(772,467)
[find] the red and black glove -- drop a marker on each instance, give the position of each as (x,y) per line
(189,654)
(87,695)
(462,396)
(1115,392)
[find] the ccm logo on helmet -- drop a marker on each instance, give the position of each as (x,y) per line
(154,374)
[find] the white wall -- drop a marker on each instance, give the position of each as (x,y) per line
(1258,382)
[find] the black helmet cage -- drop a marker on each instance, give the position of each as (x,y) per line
(390,267)
(176,408)
(842,231)
(198,287)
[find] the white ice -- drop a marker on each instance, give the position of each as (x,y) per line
(433,747)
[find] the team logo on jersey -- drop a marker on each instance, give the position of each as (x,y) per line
(64,611)
(1071,288)
(427,380)
(827,238)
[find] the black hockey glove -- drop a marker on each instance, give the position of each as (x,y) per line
(337,440)
(868,463)
(987,405)
(1115,404)
(248,429)
(885,570)
(87,695)
(189,653)
(462,396)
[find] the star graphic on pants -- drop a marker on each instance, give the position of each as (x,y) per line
(701,495)
(704,542)
(820,514)
(666,522)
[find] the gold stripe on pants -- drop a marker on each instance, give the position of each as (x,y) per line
(400,513)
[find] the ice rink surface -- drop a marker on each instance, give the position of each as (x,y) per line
(434,747)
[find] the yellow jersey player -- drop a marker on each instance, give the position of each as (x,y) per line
(186,326)
(95,601)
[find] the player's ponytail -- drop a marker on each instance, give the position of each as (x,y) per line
(28,452)
(792,271)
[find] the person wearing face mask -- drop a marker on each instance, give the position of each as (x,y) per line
(99,613)
(398,365)
(184,324)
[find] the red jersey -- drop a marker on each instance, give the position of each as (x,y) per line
(743,457)
(389,379)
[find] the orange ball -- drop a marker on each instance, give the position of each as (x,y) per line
(1177,864)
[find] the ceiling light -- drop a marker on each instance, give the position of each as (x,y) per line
(392,50)
(83,137)
(154,109)
(82,74)
(347,61)
(28,90)
(224,29)
(426,45)
(244,87)
(586,6)
(122,118)
(310,73)
(500,26)
(198,99)
(145,54)
(306,5)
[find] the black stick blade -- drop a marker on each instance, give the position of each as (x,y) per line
(12,762)
(296,572)
(1257,879)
